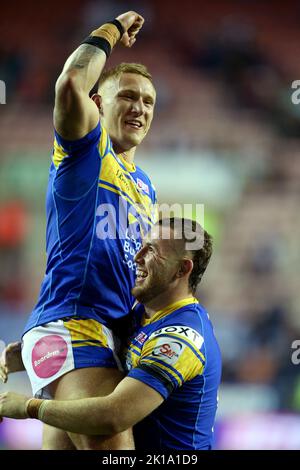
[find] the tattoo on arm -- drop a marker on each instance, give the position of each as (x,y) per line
(88,61)
(83,56)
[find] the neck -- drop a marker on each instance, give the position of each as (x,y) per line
(128,155)
(163,300)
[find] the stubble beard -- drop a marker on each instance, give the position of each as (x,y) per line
(146,293)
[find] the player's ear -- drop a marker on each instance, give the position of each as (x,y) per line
(185,268)
(98,100)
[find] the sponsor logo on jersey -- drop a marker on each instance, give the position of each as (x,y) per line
(142,186)
(120,175)
(168,350)
(184,331)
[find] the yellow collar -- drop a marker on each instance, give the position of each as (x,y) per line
(129,166)
(169,309)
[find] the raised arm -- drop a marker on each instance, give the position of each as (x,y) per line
(75,113)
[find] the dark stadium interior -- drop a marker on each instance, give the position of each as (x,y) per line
(226,134)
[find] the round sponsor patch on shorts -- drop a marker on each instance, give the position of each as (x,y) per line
(49,355)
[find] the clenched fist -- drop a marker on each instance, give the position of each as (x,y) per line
(132,23)
(13,405)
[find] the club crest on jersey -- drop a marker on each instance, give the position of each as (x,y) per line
(142,186)
(141,337)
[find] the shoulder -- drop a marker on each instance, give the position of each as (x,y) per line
(90,138)
(187,332)
(188,323)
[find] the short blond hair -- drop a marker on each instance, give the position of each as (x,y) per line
(125,67)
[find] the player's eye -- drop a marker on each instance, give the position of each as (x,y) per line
(127,97)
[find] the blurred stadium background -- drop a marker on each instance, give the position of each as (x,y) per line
(225,134)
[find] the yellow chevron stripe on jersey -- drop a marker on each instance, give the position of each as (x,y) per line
(143,214)
(169,309)
(111,172)
(86,330)
(136,349)
(129,166)
(188,364)
(132,219)
(58,154)
(137,208)
(88,343)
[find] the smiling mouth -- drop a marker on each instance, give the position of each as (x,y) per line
(141,276)
(136,125)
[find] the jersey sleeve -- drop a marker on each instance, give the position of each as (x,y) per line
(77,163)
(65,149)
(170,359)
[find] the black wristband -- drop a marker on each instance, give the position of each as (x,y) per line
(101,43)
(119,26)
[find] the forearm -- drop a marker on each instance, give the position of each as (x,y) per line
(90,416)
(130,402)
(75,113)
(88,60)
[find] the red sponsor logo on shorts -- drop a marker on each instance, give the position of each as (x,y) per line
(49,355)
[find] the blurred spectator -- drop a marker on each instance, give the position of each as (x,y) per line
(13,230)
(232,54)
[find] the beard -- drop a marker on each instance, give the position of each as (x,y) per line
(150,288)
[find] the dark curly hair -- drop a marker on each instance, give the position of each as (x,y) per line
(189,231)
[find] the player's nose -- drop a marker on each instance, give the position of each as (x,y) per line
(138,107)
(139,257)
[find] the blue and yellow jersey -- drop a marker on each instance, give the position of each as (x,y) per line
(176,353)
(98,208)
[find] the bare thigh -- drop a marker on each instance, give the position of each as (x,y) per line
(56,439)
(92,382)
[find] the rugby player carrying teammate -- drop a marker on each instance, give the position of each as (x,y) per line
(173,359)
(98,205)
